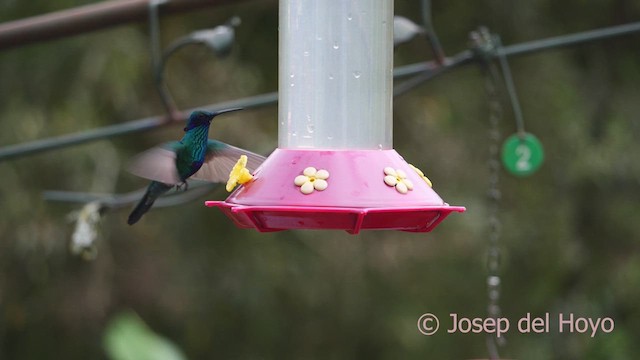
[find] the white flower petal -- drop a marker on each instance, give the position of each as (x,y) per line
(322,174)
(401,174)
(408,183)
(390,180)
(320,184)
(300,179)
(389,171)
(401,187)
(307,188)
(310,171)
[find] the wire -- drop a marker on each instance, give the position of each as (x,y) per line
(157,60)
(150,123)
(434,70)
(87,220)
(436,46)
(117,201)
(131,127)
(13,151)
(571,39)
(511,88)
(466,57)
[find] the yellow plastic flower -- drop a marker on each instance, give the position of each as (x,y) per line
(426,179)
(398,179)
(312,179)
(239,174)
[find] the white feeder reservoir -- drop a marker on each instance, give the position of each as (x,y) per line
(335,166)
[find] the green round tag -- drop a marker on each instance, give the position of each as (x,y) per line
(522,156)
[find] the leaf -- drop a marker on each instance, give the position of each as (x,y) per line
(127,337)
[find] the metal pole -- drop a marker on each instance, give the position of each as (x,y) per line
(88,18)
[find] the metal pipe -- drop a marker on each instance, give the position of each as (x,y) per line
(88,18)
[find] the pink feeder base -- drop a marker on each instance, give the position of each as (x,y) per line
(356,197)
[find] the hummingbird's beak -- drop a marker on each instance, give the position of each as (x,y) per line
(226,111)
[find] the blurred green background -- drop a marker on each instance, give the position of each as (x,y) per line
(570,233)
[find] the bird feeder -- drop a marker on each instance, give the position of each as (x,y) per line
(335,166)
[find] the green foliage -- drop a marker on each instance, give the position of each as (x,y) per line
(127,337)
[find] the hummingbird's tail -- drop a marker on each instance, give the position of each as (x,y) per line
(143,206)
(154,190)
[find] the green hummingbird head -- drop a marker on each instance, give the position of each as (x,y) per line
(200,118)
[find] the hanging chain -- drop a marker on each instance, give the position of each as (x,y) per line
(485,46)
(494,196)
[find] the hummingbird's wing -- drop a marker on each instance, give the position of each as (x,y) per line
(220,160)
(158,163)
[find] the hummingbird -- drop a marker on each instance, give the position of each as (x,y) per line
(195,156)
